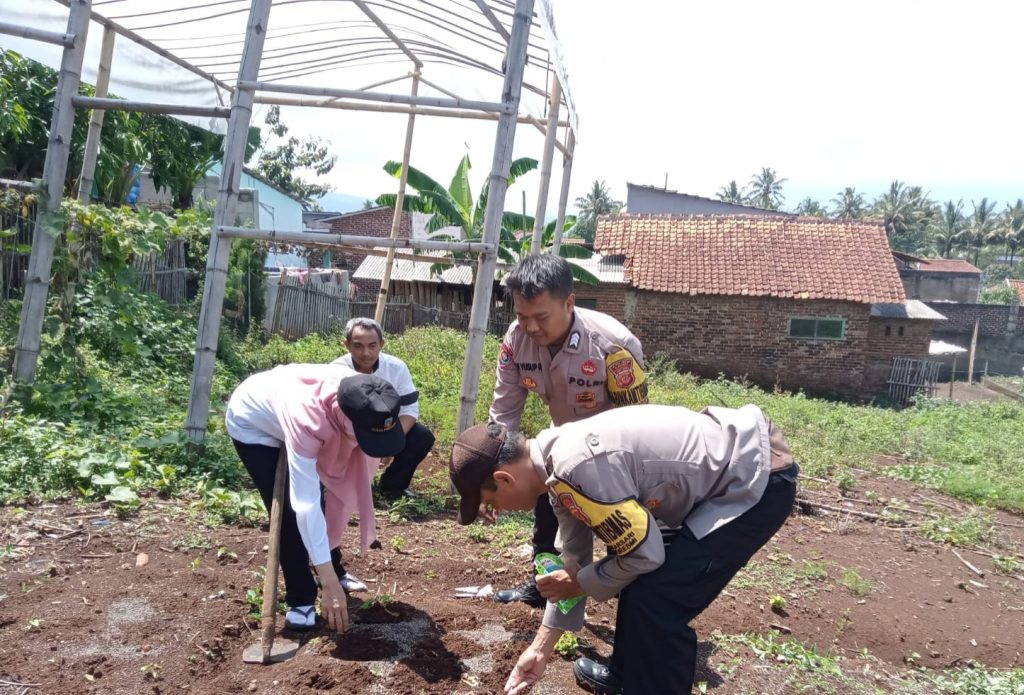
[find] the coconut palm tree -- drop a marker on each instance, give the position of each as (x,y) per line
(1013,224)
(949,228)
(848,204)
(907,213)
(809,207)
(598,201)
(981,226)
(766,190)
(732,193)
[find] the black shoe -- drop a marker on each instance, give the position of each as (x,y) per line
(595,677)
(527,593)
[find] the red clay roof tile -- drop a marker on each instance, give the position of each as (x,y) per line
(754,255)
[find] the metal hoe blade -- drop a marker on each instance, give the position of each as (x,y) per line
(282,650)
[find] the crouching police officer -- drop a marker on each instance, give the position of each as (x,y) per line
(683,499)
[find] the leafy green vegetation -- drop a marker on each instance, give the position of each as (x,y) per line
(103,421)
(854,583)
(770,648)
(567,645)
(963,531)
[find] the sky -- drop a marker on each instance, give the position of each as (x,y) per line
(828,94)
(694,94)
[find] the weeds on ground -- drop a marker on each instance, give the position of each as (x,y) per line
(770,648)
(961,531)
(856,584)
(974,680)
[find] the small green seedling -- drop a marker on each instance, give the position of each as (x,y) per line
(196,561)
(224,555)
(151,671)
(397,543)
(567,645)
(777,603)
(378,600)
(34,625)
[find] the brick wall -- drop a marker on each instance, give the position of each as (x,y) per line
(375,223)
(914,341)
(608,298)
(961,318)
(749,336)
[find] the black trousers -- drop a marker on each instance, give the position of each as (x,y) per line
(655,648)
(545,527)
(300,585)
(418,442)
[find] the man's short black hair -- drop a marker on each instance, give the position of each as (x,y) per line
(542,272)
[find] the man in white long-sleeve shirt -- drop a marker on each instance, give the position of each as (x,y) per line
(364,339)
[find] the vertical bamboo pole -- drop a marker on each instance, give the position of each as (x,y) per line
(227,200)
(92,139)
(970,359)
(504,139)
(55,167)
(952,377)
(563,196)
(396,221)
(554,103)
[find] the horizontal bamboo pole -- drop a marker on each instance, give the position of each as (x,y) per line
(98,103)
(409,99)
(332,240)
(385,108)
(66,40)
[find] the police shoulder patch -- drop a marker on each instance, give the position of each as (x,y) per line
(622,525)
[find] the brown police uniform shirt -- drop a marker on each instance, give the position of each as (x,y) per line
(572,382)
(626,476)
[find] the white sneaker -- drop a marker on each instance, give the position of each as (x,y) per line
(300,618)
(350,584)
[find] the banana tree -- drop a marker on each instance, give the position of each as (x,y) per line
(454,206)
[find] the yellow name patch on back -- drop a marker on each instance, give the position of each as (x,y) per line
(622,525)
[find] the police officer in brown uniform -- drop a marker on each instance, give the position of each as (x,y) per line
(684,499)
(579,362)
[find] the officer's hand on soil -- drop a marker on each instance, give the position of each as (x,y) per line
(333,605)
(528,671)
(558,585)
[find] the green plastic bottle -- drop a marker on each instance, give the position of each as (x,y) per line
(546,563)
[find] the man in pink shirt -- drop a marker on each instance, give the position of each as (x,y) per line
(335,425)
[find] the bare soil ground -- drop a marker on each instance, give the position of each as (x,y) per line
(82,613)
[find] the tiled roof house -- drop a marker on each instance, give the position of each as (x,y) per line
(938,279)
(799,302)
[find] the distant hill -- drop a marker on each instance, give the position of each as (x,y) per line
(341,202)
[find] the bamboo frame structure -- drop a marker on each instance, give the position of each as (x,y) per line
(105,104)
(563,196)
(383,97)
(246,91)
(389,108)
(220,246)
(55,167)
(66,40)
(92,138)
(333,240)
(502,163)
(550,138)
(396,220)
